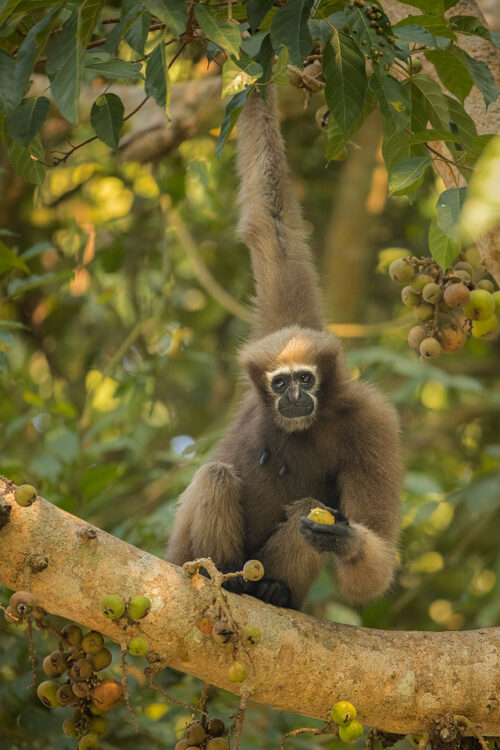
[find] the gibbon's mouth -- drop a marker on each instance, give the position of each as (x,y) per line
(292,412)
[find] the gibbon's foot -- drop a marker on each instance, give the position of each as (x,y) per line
(267,590)
(337,537)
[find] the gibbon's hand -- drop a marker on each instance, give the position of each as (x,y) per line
(336,538)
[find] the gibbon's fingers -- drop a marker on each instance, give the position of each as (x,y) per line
(273,592)
(337,538)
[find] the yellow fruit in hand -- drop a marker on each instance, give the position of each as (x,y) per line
(320,515)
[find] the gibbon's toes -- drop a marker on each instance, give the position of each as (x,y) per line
(236,585)
(273,592)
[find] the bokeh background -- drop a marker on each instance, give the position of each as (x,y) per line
(121,374)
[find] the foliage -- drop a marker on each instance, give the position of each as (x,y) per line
(117,368)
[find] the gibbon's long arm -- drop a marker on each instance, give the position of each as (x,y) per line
(287,290)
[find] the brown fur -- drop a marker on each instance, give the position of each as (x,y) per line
(238,508)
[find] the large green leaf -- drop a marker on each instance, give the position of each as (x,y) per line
(238,74)
(137,35)
(346,82)
(470,25)
(442,248)
(106,117)
(407,175)
(127,20)
(434,101)
(368,40)
(338,139)
(65,67)
(482,75)
(452,72)
(174,13)
(233,111)
(226,35)
(26,159)
(90,11)
(397,147)
(393,100)
(256,10)
(289,28)
(448,208)
(433,134)
(25,122)
(157,75)
(428,6)
(32,46)
(435,25)
(6,8)
(128,71)
(9,96)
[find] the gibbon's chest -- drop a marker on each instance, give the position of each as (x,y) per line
(275,474)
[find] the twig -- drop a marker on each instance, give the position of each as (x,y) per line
(238,719)
(204,699)
(207,281)
(472,729)
(422,743)
(150,677)
(328,729)
(126,694)
(32,655)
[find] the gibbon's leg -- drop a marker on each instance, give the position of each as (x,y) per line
(288,558)
(209,521)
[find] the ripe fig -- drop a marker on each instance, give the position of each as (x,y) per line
(138,646)
(181,744)
(321,515)
(81,670)
(430,348)
(92,642)
(456,295)
(113,606)
(496,297)
(54,665)
(482,328)
(204,624)
(98,725)
(138,607)
(409,297)
(401,272)
(22,603)
(47,692)
(424,311)
(416,335)
(486,284)
(88,742)
(81,689)
(215,727)
(250,635)
(480,306)
(451,337)
(195,734)
(464,266)
(71,635)
(237,672)
(431,292)
(351,732)
(253,570)
(421,280)
(223,632)
(107,694)
(69,728)
(101,660)
(217,743)
(65,695)
(343,712)
(25,495)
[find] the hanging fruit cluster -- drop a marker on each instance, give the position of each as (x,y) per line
(449,305)
(206,733)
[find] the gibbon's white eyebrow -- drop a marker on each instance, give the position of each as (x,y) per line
(294,367)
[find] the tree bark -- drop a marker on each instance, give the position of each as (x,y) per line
(486,120)
(399,681)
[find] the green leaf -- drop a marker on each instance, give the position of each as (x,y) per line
(32,46)
(106,117)
(9,260)
(137,35)
(11,324)
(469,25)
(290,29)
(65,68)
(428,6)
(127,71)
(117,33)
(252,45)
(265,60)
(173,13)
(25,159)
(338,139)
(6,8)
(415,33)
(433,134)
(279,73)
(226,35)
(157,75)
(25,122)
(233,111)
(19,286)
(367,39)
(435,102)
(459,121)
(393,100)
(90,11)
(256,11)
(448,208)
(442,248)
(9,97)
(436,25)
(397,147)
(482,75)
(453,73)
(346,82)
(237,75)
(407,175)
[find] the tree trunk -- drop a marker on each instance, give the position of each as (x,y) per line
(399,681)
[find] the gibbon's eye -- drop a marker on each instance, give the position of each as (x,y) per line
(307,378)
(278,384)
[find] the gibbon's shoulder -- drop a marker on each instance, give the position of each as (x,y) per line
(368,409)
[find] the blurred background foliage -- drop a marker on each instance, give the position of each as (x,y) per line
(118,372)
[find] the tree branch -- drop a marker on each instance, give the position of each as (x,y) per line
(399,682)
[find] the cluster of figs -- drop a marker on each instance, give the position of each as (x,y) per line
(448,305)
(79,660)
(207,734)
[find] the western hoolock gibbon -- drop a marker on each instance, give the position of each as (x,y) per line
(307,435)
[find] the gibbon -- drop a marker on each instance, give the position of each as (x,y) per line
(307,435)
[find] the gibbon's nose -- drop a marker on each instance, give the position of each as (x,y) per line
(293,393)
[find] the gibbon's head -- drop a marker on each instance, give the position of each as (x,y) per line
(298,372)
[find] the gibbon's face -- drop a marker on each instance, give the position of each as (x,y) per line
(294,391)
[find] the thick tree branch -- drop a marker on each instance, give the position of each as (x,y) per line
(399,681)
